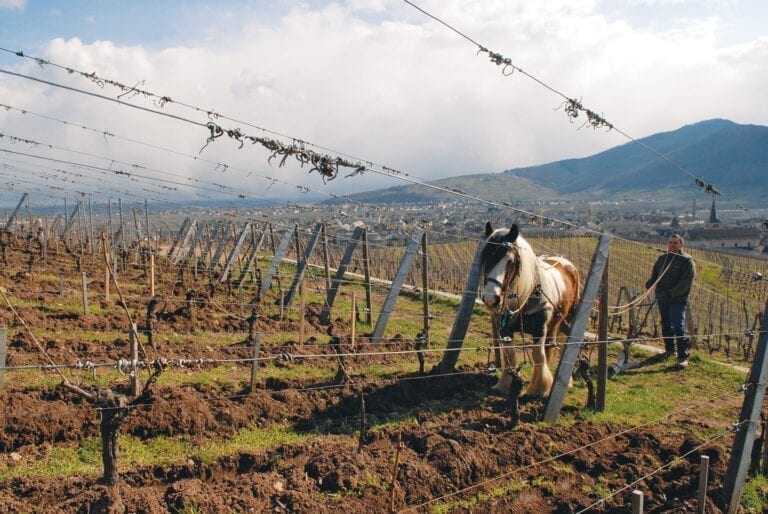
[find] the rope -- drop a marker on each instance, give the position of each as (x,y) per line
(627,306)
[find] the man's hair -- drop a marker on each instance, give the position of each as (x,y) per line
(678,237)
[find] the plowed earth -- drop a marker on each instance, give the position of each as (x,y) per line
(460,444)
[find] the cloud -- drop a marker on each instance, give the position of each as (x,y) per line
(377,81)
(13,4)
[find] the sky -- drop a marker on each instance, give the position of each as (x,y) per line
(371,81)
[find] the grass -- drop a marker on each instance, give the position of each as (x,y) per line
(511,490)
(754,496)
(85,459)
(634,397)
(650,393)
(709,274)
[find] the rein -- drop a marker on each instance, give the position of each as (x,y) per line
(510,275)
(502,313)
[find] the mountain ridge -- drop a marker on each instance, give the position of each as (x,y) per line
(731,156)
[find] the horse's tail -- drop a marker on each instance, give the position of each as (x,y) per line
(578,288)
(574,281)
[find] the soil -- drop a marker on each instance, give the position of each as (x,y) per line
(457,436)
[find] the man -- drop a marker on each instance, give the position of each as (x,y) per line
(673,276)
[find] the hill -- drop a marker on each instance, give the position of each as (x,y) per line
(731,156)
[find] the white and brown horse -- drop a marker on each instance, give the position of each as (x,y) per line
(530,294)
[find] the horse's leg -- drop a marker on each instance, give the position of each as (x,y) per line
(509,364)
(541,380)
(553,334)
(555,339)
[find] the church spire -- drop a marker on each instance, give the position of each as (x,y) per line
(713,219)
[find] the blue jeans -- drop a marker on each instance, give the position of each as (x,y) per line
(673,327)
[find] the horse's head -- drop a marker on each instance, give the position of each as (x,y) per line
(499,261)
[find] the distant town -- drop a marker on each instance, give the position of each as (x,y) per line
(733,229)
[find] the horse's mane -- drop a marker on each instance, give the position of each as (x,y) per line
(528,270)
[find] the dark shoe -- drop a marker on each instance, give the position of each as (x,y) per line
(682,363)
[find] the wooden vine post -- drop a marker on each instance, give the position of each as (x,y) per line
(255,342)
(463,314)
(568,358)
(425,286)
(367,275)
(302,313)
(703,477)
(397,284)
(3,353)
(151,273)
(85,292)
(393,479)
(325,313)
(326,259)
(106,274)
(602,342)
(353,321)
(748,419)
(135,389)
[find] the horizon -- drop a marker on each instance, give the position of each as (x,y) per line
(374,79)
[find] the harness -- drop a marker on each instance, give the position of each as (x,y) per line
(533,303)
(511,273)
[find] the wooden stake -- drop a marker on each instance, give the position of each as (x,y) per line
(91,243)
(367,274)
(393,481)
(637,502)
(602,344)
(326,260)
(85,293)
(256,348)
(353,323)
(3,352)
(151,273)
(703,474)
(425,284)
(134,346)
(302,306)
(361,440)
(106,270)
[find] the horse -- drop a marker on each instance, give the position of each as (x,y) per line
(528,294)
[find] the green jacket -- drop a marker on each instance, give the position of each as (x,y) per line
(675,283)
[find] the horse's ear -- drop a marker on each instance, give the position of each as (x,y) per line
(488,229)
(513,233)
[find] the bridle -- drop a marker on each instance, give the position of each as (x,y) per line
(502,314)
(511,273)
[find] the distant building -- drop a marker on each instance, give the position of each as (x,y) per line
(717,236)
(713,221)
(733,238)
